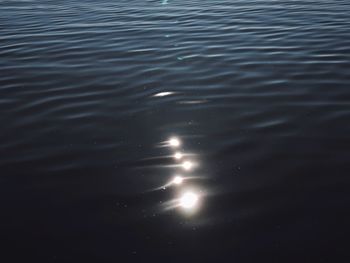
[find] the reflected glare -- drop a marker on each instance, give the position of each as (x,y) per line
(174,142)
(178,155)
(178,180)
(163,94)
(187,165)
(189,200)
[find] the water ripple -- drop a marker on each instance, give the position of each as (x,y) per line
(262,88)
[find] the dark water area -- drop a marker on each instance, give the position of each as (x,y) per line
(258,92)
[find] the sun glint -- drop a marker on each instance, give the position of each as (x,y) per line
(187,165)
(174,142)
(189,200)
(178,155)
(178,180)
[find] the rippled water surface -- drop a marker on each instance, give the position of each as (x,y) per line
(257,91)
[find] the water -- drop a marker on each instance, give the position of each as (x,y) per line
(258,92)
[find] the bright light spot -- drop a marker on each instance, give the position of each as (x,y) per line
(178,156)
(178,180)
(163,94)
(187,165)
(189,200)
(174,142)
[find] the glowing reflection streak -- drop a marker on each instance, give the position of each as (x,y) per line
(178,155)
(174,142)
(187,165)
(188,202)
(178,180)
(163,94)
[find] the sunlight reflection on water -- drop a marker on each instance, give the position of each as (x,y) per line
(187,198)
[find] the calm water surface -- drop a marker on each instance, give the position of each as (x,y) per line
(258,92)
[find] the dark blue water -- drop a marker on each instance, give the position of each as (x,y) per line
(258,92)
